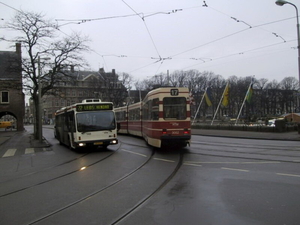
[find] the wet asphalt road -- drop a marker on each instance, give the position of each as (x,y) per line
(215,181)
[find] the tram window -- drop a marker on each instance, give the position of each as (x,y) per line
(120,115)
(131,115)
(146,111)
(155,109)
(137,114)
(174,108)
(134,114)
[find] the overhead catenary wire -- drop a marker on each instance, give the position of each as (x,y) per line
(11,7)
(148,31)
(239,53)
(221,38)
(161,58)
(143,16)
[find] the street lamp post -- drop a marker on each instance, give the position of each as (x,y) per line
(281,3)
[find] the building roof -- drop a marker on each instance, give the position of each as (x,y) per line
(85,75)
(10,65)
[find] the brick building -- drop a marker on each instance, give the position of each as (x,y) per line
(79,85)
(11,95)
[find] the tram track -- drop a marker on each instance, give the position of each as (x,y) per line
(245,151)
(262,147)
(45,169)
(147,198)
(28,176)
(129,211)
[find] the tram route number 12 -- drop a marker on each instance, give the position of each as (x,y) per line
(174,92)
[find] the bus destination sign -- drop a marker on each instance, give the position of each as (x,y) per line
(93,107)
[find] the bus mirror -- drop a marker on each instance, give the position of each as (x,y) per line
(118,126)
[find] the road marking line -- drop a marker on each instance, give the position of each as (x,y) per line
(165,160)
(191,164)
(289,175)
(29,150)
(134,153)
(265,162)
(225,168)
(10,152)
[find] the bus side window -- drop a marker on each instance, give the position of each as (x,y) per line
(70,121)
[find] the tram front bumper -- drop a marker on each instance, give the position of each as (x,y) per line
(176,140)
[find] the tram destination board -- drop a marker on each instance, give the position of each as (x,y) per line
(93,107)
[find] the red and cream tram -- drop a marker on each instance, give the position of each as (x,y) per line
(162,118)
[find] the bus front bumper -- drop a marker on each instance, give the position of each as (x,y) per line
(97,143)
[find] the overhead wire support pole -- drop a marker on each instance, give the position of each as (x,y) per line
(199,107)
(243,103)
(241,107)
(219,104)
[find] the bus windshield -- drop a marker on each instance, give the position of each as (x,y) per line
(95,121)
(174,108)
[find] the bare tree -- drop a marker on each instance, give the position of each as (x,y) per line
(177,78)
(289,83)
(288,100)
(40,41)
(261,83)
(119,93)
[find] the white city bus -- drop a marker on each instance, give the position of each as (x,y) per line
(91,123)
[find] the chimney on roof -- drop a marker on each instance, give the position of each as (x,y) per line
(18,49)
(101,70)
(113,72)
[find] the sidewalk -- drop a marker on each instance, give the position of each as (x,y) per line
(25,137)
(6,135)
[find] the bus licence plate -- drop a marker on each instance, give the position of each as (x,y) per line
(98,143)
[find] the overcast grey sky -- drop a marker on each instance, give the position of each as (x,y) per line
(148,37)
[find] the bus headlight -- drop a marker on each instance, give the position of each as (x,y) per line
(114,142)
(81,144)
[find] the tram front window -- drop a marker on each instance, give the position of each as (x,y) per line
(95,121)
(174,108)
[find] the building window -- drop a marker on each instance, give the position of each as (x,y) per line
(4,97)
